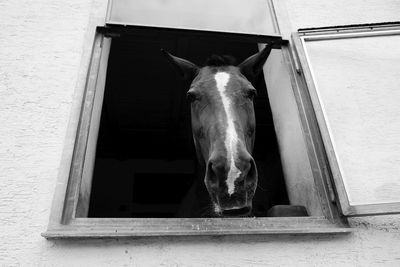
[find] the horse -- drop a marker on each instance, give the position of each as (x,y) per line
(223,126)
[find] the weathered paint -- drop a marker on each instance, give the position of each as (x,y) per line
(231,137)
(40,53)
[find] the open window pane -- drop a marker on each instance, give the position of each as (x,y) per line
(250,17)
(353,80)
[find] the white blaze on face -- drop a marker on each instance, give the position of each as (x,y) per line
(231,139)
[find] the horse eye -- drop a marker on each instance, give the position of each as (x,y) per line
(250,131)
(200,133)
(251,93)
(191,96)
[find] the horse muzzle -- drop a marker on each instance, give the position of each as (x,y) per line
(228,202)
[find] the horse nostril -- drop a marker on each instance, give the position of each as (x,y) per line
(215,169)
(211,175)
(248,175)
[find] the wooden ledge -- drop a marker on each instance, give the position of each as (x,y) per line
(127,227)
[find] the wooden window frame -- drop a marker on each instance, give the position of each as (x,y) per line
(78,153)
(68,224)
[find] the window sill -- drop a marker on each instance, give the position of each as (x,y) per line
(127,227)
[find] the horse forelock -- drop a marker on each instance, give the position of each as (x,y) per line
(217,61)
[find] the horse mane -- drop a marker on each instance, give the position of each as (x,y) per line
(218,61)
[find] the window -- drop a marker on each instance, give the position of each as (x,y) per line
(352,76)
(309,160)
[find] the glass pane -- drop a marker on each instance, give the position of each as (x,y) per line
(238,16)
(358,85)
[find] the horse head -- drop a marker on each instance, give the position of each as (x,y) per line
(223,126)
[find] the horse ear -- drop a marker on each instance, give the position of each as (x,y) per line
(185,68)
(253,65)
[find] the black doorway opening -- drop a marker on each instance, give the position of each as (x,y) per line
(145,160)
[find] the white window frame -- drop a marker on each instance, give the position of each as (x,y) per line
(300,40)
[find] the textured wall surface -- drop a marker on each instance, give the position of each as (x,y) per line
(317,13)
(40,53)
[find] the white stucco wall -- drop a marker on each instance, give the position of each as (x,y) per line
(40,51)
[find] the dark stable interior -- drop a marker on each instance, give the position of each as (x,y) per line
(145,160)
